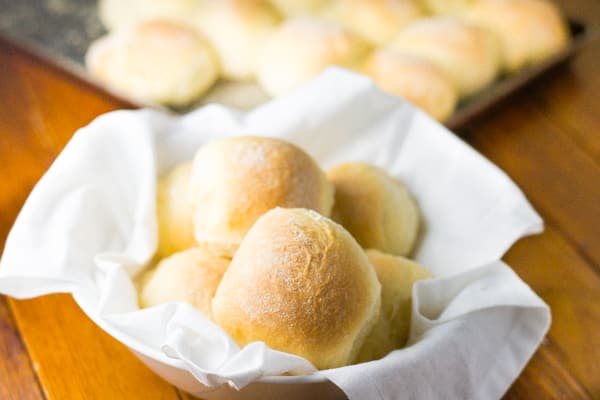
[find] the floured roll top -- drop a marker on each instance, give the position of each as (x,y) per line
(236,180)
(300,283)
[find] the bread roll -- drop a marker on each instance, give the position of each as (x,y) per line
(375,208)
(530,30)
(154,61)
(174,211)
(414,79)
(300,283)
(236,180)
(191,276)
(375,20)
(397,276)
(301,48)
(300,8)
(237,29)
(469,54)
(118,14)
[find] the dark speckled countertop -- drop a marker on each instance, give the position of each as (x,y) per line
(60,28)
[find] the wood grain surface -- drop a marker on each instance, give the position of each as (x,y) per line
(80,361)
(17,377)
(547,138)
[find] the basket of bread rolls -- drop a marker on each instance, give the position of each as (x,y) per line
(333,243)
(438,55)
(258,238)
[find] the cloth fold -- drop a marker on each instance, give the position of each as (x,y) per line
(471,334)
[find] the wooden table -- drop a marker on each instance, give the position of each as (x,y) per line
(547,138)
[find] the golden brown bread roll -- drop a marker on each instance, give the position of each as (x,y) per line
(300,283)
(375,20)
(374,207)
(154,61)
(468,53)
(191,276)
(529,30)
(117,14)
(414,79)
(236,180)
(174,211)
(301,48)
(237,29)
(397,276)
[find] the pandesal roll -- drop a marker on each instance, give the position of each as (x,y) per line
(414,79)
(118,14)
(237,29)
(174,211)
(378,21)
(374,207)
(397,276)
(236,180)
(468,53)
(301,48)
(300,283)
(191,276)
(529,30)
(154,61)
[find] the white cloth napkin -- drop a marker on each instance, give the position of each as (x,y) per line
(89,225)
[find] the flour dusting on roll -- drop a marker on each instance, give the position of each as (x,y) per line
(236,180)
(300,283)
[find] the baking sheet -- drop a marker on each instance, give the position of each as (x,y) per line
(61,31)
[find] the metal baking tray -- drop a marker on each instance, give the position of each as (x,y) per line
(506,85)
(59,32)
